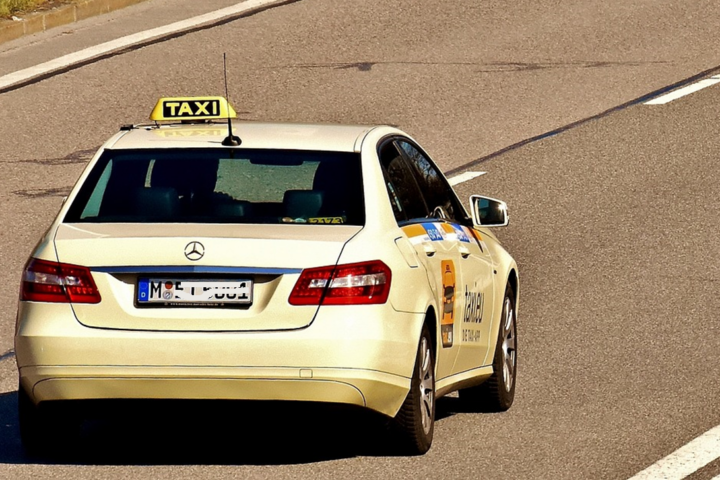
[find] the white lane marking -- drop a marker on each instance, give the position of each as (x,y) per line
(662,100)
(124,42)
(464,177)
(686,460)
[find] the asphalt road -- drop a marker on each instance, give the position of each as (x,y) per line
(613,220)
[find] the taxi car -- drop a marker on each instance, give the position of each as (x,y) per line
(318,263)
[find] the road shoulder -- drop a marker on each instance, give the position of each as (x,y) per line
(44,20)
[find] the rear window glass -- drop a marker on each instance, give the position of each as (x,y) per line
(222,186)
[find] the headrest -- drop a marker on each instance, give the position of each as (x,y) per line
(185,175)
(302,203)
(232,209)
(330,176)
(159,202)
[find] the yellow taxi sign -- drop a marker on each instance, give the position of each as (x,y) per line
(192,108)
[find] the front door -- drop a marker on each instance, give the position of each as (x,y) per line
(477,291)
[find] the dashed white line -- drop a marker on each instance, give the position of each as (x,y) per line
(662,100)
(124,42)
(464,177)
(686,460)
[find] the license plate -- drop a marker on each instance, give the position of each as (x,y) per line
(194,292)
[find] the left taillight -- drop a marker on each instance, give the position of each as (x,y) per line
(45,281)
(363,283)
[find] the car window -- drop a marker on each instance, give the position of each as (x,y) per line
(222,186)
(435,189)
(405,197)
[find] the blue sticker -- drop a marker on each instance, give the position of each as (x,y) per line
(461,235)
(143,289)
(433,232)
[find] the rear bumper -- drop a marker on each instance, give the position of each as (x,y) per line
(378,391)
(360,357)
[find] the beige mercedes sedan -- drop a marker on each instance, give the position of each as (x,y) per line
(200,259)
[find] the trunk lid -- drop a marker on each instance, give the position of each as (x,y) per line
(271,256)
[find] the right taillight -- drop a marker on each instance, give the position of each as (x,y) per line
(45,281)
(362,283)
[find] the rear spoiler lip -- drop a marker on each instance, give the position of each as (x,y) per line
(197,269)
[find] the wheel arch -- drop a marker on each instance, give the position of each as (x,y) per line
(513,282)
(431,321)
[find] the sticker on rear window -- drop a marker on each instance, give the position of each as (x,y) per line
(330,220)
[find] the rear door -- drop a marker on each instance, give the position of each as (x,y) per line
(477,292)
(435,247)
(472,272)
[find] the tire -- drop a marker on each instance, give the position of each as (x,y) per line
(45,431)
(497,393)
(415,422)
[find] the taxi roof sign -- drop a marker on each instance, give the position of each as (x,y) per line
(192,108)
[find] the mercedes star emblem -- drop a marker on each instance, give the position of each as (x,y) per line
(194,251)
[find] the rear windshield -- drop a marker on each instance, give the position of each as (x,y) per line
(222,186)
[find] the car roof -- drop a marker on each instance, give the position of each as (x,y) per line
(290,136)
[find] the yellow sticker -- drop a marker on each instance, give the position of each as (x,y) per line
(447,227)
(448,315)
(327,220)
(414,230)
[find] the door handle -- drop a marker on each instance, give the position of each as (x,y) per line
(464,251)
(429,249)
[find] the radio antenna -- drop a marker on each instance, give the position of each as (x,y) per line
(231,140)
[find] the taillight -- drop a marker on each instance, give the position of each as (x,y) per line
(352,284)
(45,281)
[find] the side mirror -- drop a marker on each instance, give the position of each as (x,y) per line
(488,212)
